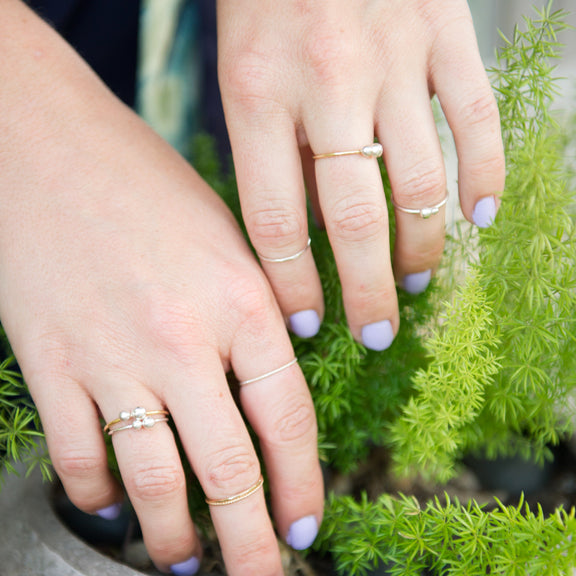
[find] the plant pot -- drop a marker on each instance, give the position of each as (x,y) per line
(34,542)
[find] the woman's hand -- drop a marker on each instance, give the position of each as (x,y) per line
(125,282)
(321,76)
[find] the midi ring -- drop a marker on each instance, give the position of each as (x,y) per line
(137,419)
(374,150)
(271,373)
(237,497)
(424,213)
(288,258)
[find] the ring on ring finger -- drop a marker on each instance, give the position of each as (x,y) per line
(137,419)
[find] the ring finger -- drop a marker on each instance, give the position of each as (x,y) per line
(154,479)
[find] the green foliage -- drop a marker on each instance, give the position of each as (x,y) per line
(450,394)
(502,364)
(502,367)
(21,439)
(447,537)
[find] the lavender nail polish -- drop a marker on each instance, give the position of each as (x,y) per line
(110,512)
(186,568)
(305,323)
(418,282)
(378,336)
(484,212)
(302,533)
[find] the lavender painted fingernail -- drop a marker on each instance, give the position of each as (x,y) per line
(110,512)
(417,282)
(302,533)
(186,568)
(484,212)
(378,336)
(305,323)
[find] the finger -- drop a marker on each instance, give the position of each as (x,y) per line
(413,157)
(277,402)
(309,172)
(223,458)
(154,479)
(76,444)
(354,209)
(459,80)
(270,184)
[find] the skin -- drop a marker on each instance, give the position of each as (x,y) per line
(305,77)
(126,282)
(115,293)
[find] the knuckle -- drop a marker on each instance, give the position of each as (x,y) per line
(276,227)
(329,56)
(168,546)
(481,110)
(232,469)
(295,423)
(150,483)
(256,556)
(492,167)
(250,297)
(78,465)
(249,80)
(170,324)
(364,299)
(356,220)
(421,183)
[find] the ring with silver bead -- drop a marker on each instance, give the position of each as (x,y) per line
(137,419)
(424,213)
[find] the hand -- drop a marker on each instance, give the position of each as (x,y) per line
(126,282)
(314,77)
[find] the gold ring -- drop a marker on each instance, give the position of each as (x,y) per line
(288,258)
(370,151)
(138,419)
(236,498)
(271,373)
(424,213)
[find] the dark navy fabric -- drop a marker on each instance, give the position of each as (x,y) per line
(105,34)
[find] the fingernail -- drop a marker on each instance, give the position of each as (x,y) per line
(305,323)
(110,512)
(302,533)
(484,212)
(186,568)
(378,336)
(417,282)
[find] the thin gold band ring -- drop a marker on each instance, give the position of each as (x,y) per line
(237,497)
(374,150)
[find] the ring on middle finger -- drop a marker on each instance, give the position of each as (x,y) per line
(424,213)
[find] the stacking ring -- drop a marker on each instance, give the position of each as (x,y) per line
(374,150)
(424,213)
(237,497)
(271,373)
(288,258)
(137,419)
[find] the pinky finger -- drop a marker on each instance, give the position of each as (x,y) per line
(76,444)
(465,94)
